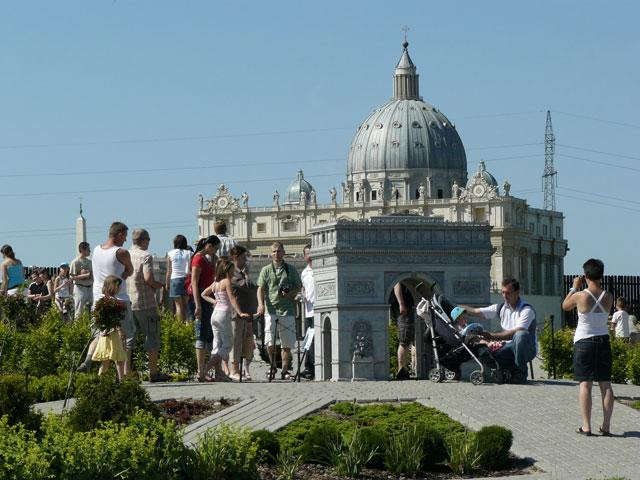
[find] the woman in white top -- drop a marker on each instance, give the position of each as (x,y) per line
(178,268)
(591,348)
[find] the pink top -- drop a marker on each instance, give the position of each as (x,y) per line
(222,299)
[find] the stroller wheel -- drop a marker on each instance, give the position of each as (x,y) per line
(476,377)
(436,375)
(452,374)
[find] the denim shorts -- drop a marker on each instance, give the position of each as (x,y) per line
(592,359)
(176,288)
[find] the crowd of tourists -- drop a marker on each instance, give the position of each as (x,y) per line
(209,286)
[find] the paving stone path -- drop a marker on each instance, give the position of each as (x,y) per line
(543,415)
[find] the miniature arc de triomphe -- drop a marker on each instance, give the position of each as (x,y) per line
(356,265)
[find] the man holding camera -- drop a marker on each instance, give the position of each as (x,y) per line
(278,285)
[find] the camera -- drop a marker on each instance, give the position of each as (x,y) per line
(284,290)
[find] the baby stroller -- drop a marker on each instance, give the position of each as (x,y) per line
(450,348)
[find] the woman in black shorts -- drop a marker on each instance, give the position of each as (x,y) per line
(591,348)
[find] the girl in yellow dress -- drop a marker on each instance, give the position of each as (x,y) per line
(107,316)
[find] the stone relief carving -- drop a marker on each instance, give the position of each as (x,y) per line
(467,287)
(362,339)
(326,289)
(474,259)
(360,288)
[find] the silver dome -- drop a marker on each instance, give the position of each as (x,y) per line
(406,134)
(292,195)
(410,138)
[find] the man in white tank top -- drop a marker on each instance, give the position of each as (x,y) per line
(111,258)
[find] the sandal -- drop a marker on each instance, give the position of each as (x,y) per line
(604,433)
(580,431)
(205,379)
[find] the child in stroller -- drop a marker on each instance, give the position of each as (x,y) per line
(455,342)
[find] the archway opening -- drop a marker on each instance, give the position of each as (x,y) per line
(326,348)
(408,352)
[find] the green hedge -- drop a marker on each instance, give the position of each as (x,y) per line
(625,358)
(45,349)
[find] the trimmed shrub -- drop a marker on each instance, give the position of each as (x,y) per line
(16,312)
(224,453)
(620,353)
(145,448)
(562,353)
(74,338)
(101,399)
(494,443)
(318,442)
(435,450)
(268,445)
(346,409)
(633,366)
(48,388)
(20,455)
(291,437)
(42,345)
(176,345)
(15,402)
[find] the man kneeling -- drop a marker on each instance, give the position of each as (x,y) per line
(518,322)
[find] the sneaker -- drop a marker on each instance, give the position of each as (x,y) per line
(235,377)
(402,374)
(160,377)
(83,368)
(306,374)
(518,378)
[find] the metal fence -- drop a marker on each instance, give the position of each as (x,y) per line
(627,286)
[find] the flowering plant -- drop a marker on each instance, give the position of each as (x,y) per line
(108,314)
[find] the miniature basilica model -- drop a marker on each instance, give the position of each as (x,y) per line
(406,158)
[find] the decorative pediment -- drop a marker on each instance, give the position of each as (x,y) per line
(480,186)
(223,201)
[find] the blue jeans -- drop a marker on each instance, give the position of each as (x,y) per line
(516,354)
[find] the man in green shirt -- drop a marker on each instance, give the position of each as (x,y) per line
(278,284)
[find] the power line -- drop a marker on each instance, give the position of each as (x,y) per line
(595,119)
(598,162)
(170,139)
(623,200)
(155,187)
(100,227)
(630,157)
(495,115)
(168,169)
(505,146)
(598,203)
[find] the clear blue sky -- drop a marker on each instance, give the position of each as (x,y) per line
(202,88)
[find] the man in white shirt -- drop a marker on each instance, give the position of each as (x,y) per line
(226,242)
(308,297)
(518,322)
